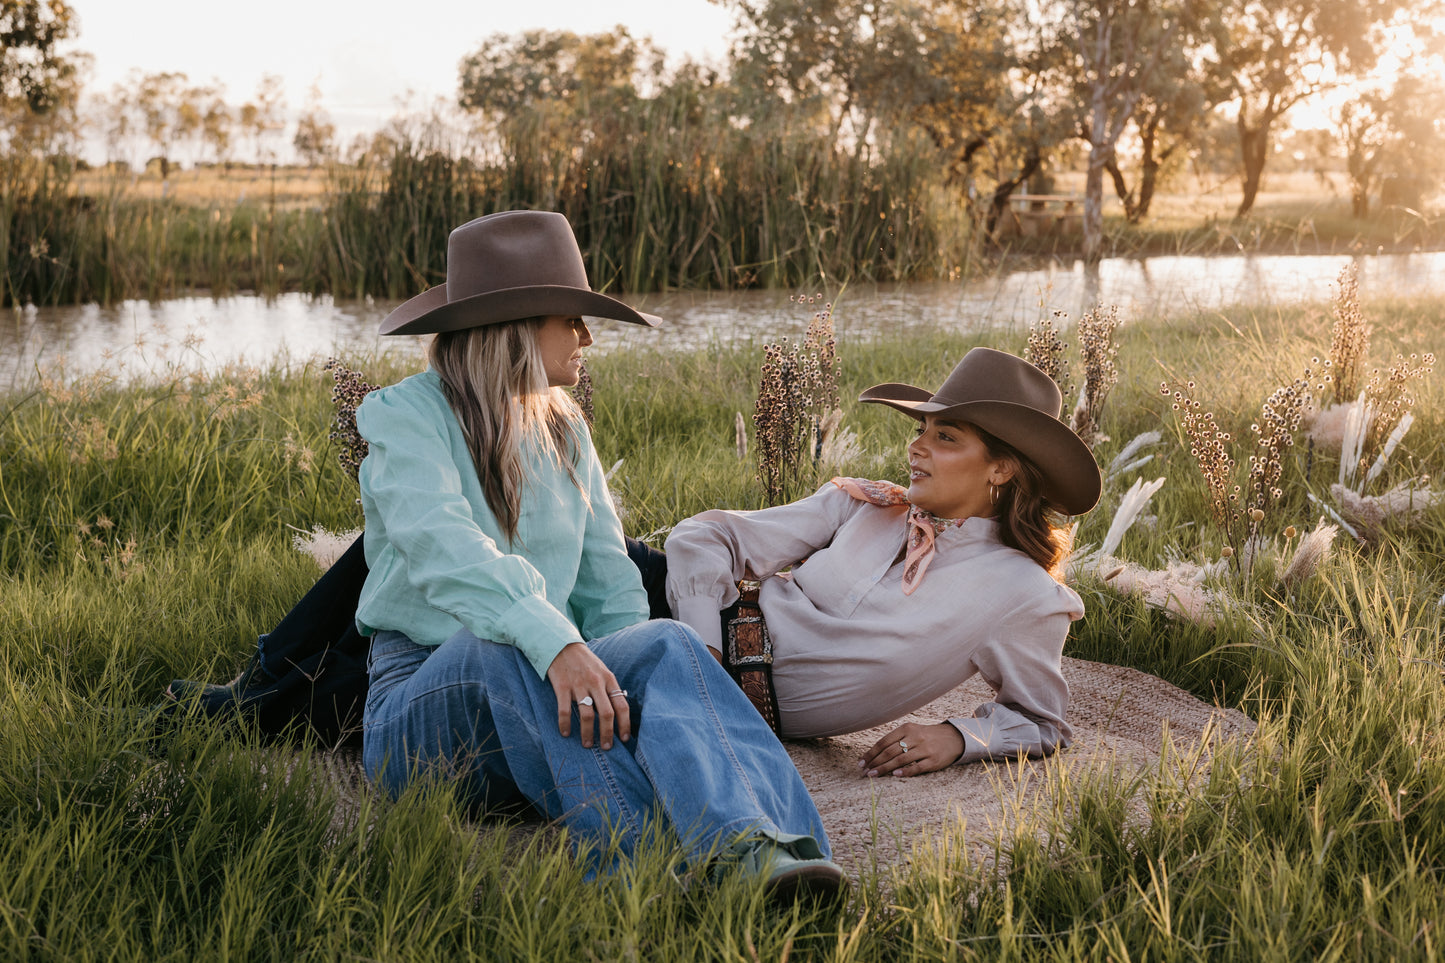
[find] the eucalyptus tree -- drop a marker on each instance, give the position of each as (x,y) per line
(56,133)
(831,63)
(315,139)
(163,102)
(218,121)
(39,85)
(33,71)
(264,116)
(975,76)
(1274,54)
(1169,122)
(990,100)
(1393,130)
(1120,51)
(541,91)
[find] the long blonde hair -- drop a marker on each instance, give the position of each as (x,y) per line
(496,383)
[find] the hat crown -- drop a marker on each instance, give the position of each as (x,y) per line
(1017,403)
(986,374)
(513,249)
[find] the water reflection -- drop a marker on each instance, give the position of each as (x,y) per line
(139,339)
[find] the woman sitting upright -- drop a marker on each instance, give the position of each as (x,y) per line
(510,647)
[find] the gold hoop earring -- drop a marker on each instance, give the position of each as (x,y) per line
(992,493)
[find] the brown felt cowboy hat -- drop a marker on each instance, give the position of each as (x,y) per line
(505,267)
(1018,404)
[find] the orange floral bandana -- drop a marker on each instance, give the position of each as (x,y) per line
(923,527)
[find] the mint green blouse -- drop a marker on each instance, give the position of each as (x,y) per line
(439,561)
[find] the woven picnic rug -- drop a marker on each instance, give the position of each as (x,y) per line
(1123,720)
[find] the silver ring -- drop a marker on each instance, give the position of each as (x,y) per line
(902,745)
(585,701)
(617,692)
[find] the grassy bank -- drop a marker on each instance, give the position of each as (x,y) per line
(144,535)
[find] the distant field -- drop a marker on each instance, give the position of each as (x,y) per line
(215,186)
(1194,198)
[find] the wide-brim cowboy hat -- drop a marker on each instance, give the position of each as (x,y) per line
(1018,404)
(505,267)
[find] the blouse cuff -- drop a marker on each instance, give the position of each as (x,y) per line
(538,629)
(998,732)
(703,614)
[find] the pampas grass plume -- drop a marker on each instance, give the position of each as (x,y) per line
(1352,445)
(324,547)
(1327,426)
(1131,506)
(1177,589)
(1125,461)
(1370,512)
(1406,420)
(1313,551)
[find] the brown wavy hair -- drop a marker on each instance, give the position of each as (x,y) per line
(495,380)
(1026,520)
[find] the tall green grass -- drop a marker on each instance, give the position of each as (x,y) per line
(1321,840)
(669,198)
(61,247)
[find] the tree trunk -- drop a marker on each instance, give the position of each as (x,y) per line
(1121,190)
(1094,208)
(1148,166)
(1101,152)
(1359,202)
(1253,149)
(1362,172)
(1148,180)
(1032,162)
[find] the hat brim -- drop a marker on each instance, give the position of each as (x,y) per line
(431,313)
(1072,482)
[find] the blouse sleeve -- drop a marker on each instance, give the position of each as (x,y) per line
(608,593)
(412,480)
(709,553)
(1030,695)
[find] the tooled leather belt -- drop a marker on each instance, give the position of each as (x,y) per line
(748,652)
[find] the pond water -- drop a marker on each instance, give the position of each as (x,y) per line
(145,339)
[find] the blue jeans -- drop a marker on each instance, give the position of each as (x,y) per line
(475,712)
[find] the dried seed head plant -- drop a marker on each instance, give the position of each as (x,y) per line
(1240,510)
(1279,420)
(1390,397)
(797,391)
(1209,444)
(1045,350)
(347,392)
(777,419)
(820,346)
(1350,337)
(1097,351)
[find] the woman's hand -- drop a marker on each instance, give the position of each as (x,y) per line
(913,749)
(577,674)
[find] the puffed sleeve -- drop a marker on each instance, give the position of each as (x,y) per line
(1030,695)
(411,478)
(608,593)
(709,553)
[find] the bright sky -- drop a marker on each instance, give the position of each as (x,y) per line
(365,54)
